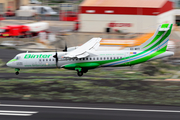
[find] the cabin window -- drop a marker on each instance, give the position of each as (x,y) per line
(86,58)
(97,58)
(114,57)
(43,59)
(39,59)
(90,58)
(107,58)
(83,58)
(53,59)
(93,58)
(49,59)
(104,58)
(131,48)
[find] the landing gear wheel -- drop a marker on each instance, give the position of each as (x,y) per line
(80,73)
(17,73)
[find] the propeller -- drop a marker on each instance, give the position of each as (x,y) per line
(65,49)
(56,57)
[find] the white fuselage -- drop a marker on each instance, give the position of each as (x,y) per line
(46,59)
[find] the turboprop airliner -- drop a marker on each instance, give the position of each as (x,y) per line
(86,57)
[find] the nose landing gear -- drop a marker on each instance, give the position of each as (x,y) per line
(17,71)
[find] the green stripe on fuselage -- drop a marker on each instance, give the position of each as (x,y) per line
(144,59)
(12,60)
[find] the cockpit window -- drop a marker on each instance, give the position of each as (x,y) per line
(17,57)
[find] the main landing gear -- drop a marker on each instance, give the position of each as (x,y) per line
(80,71)
(17,71)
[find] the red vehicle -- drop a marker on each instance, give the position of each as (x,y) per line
(9,13)
(76,26)
(22,31)
(68,16)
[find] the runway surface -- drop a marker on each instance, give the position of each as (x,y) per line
(26,110)
(8,54)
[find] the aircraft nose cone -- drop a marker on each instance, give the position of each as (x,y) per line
(8,64)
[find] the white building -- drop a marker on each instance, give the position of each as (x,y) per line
(132,16)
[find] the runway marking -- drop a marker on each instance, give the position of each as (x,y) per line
(17,113)
(92,108)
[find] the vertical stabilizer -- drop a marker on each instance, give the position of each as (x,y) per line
(159,40)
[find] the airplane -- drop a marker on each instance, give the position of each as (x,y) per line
(86,57)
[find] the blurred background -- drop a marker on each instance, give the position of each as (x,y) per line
(46,25)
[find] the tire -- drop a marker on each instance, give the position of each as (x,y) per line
(17,73)
(80,73)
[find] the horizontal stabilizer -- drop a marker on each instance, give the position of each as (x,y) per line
(163,29)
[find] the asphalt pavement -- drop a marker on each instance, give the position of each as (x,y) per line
(8,54)
(29,110)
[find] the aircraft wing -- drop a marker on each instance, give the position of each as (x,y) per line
(85,49)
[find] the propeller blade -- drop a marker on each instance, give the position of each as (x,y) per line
(65,49)
(56,57)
